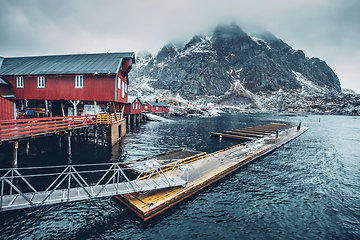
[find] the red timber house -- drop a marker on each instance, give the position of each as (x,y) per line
(134,109)
(156,107)
(51,82)
(59,85)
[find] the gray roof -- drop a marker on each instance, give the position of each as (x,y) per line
(3,81)
(64,64)
(158,104)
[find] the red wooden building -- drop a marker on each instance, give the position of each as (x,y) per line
(134,106)
(7,110)
(52,82)
(156,107)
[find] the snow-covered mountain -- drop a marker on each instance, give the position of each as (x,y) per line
(234,68)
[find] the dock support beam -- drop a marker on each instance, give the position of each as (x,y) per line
(46,108)
(15,154)
(27,147)
(69,143)
(59,139)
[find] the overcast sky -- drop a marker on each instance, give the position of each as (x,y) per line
(328,29)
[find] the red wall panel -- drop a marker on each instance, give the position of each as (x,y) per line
(6,109)
(5,90)
(96,88)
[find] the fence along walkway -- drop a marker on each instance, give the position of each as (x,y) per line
(23,128)
(70,185)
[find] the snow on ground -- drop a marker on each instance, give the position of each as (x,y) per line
(153,117)
(308,87)
(260,41)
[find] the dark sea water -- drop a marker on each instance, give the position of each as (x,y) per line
(307,189)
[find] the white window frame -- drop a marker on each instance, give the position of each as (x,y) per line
(126,87)
(157,108)
(133,106)
(19,82)
(41,82)
(119,83)
(79,81)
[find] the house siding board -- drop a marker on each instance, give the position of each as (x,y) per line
(63,87)
(119,97)
(127,109)
(6,109)
(5,89)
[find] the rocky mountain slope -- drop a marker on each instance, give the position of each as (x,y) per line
(247,71)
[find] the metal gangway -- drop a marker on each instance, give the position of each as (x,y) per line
(28,187)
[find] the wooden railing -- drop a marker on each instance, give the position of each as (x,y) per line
(107,118)
(22,128)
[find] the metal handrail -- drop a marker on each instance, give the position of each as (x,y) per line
(111,177)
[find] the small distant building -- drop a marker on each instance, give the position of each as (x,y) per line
(157,107)
(134,106)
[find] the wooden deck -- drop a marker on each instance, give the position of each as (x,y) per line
(204,171)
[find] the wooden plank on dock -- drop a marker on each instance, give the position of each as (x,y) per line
(243,134)
(253,132)
(232,136)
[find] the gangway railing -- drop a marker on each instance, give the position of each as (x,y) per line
(22,128)
(28,187)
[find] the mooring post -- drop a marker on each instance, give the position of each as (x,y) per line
(27,147)
(69,143)
(15,155)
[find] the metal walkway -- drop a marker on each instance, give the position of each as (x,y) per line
(18,186)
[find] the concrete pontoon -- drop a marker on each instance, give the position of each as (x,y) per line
(206,169)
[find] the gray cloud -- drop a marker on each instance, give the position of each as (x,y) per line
(328,29)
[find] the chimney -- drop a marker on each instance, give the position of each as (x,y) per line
(157,100)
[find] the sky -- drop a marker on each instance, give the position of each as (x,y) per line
(328,29)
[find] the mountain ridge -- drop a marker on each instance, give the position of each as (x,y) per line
(233,67)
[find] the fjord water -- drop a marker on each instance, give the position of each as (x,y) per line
(307,189)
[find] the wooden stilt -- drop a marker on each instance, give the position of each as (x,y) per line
(27,147)
(62,109)
(59,139)
(69,143)
(46,108)
(116,118)
(15,154)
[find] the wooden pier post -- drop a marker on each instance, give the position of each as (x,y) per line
(15,154)
(27,147)
(69,143)
(46,108)
(59,138)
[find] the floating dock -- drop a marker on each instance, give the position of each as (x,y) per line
(206,169)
